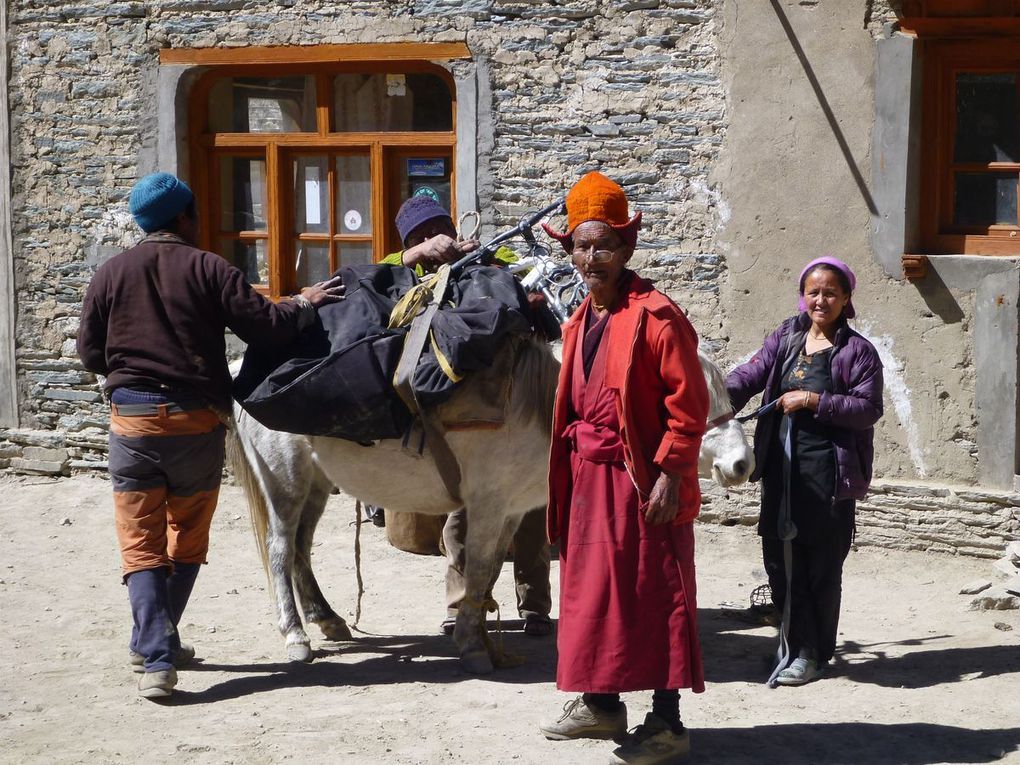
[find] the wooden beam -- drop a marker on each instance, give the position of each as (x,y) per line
(958,28)
(306,54)
(915,267)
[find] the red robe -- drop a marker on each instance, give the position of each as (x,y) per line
(628,616)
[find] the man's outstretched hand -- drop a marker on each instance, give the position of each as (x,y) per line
(321,293)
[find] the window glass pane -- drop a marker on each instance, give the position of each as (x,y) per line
(987,128)
(424,176)
(354,253)
(262,105)
(242,194)
(370,102)
(983,199)
(250,257)
(354,195)
(311,195)
(312,262)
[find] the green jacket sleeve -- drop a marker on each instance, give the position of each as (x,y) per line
(504,256)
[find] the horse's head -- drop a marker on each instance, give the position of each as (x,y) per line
(726,456)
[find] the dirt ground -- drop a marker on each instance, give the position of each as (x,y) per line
(919,678)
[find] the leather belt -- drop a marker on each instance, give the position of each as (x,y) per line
(150,410)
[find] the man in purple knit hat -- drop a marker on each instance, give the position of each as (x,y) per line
(430,239)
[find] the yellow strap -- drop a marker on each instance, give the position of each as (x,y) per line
(414,301)
(444,363)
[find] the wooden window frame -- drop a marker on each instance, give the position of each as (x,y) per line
(322,62)
(958,36)
(943,60)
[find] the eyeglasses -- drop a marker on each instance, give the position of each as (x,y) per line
(596,256)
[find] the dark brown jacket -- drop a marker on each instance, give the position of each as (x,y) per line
(154,317)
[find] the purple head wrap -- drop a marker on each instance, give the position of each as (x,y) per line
(840,266)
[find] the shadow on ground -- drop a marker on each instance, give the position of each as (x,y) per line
(852,744)
(738,648)
(387,659)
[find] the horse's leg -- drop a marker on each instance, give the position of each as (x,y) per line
(313,602)
(281,541)
(274,471)
(488,536)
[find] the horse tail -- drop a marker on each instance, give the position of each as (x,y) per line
(533,385)
(258,508)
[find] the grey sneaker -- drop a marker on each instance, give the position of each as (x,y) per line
(182,656)
(652,743)
(799,672)
(157,685)
(582,721)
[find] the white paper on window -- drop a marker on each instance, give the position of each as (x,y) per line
(313,213)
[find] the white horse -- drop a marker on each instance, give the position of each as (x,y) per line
(288,478)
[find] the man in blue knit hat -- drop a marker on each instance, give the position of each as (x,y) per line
(153,324)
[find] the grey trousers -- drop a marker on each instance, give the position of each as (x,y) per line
(531,563)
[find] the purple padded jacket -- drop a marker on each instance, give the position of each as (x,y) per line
(853,406)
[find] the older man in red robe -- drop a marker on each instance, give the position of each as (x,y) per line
(630,414)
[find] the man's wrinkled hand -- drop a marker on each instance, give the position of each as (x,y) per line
(664,501)
(438,250)
(322,293)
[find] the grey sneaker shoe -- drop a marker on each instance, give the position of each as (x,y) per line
(182,656)
(799,672)
(157,685)
(582,721)
(652,743)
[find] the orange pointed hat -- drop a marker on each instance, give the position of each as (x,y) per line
(595,197)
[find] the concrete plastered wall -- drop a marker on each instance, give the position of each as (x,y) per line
(796,176)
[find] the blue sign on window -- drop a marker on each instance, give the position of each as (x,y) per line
(431,167)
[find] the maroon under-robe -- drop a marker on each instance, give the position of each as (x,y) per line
(628,613)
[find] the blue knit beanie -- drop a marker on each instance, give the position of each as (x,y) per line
(157,199)
(416,211)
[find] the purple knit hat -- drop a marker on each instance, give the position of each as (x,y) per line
(415,211)
(840,266)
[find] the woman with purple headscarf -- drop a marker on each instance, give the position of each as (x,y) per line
(814,453)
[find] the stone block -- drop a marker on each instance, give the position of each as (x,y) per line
(99,465)
(35,438)
(42,454)
(1013,585)
(36,467)
(995,599)
(68,394)
(975,587)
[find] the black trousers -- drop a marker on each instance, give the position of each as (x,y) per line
(816,588)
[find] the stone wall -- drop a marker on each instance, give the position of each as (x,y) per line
(947,519)
(631,88)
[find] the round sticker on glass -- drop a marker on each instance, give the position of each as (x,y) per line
(352,220)
(426,191)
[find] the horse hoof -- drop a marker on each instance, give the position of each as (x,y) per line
(477,662)
(299,652)
(336,629)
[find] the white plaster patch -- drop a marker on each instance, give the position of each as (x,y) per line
(706,196)
(116,227)
(896,386)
